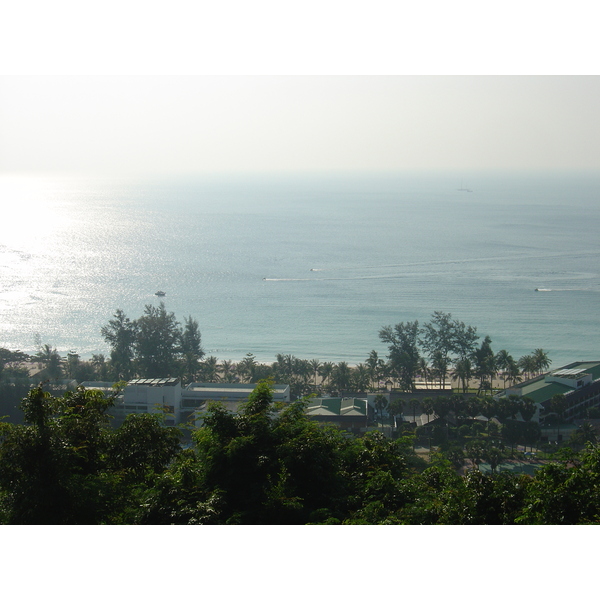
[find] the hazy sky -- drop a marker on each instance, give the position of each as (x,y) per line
(135,89)
(199,124)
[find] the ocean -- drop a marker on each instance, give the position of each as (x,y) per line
(309,265)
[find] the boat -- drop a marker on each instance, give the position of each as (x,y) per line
(159,293)
(463,189)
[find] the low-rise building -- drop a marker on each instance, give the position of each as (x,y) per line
(196,397)
(578,382)
(352,414)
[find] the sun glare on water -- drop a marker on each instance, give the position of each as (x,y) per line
(30,212)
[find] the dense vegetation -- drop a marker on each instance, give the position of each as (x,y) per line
(61,462)
(267,464)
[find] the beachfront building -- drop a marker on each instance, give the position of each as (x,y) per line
(578,382)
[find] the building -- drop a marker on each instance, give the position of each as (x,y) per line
(351,414)
(158,396)
(579,382)
(196,397)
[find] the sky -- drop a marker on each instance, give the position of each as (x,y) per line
(134,89)
(174,124)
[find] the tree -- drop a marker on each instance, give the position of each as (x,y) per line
(475,450)
(191,347)
(255,467)
(341,375)
(541,361)
(463,373)
(439,341)
(210,369)
(485,364)
(325,370)
(10,360)
(100,366)
(465,339)
(120,333)
(502,362)
(375,366)
(315,365)
(527,365)
(512,373)
(395,407)
(565,492)
(494,456)
(414,405)
(51,361)
(360,378)
(381,403)
(228,371)
(585,434)
(558,405)
(157,342)
(402,341)
(66,466)
(247,367)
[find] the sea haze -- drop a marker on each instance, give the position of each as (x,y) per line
(312,266)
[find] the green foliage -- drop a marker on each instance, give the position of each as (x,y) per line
(268,464)
(155,345)
(66,466)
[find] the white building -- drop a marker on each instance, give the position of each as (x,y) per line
(166,396)
(196,396)
(161,396)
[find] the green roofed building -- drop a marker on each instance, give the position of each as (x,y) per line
(351,414)
(578,382)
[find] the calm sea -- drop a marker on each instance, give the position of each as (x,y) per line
(312,266)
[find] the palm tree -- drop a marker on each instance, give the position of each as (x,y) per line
(228,371)
(381,403)
(540,360)
(527,365)
(463,373)
(315,365)
(414,404)
(360,378)
(512,373)
(51,360)
(424,371)
(427,407)
(210,369)
(325,371)
(341,376)
(503,359)
(373,365)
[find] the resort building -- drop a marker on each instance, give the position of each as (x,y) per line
(179,405)
(196,397)
(578,382)
(351,414)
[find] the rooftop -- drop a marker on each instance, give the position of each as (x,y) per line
(543,388)
(171,381)
(335,407)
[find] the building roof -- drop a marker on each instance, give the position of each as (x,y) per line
(244,388)
(336,407)
(542,388)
